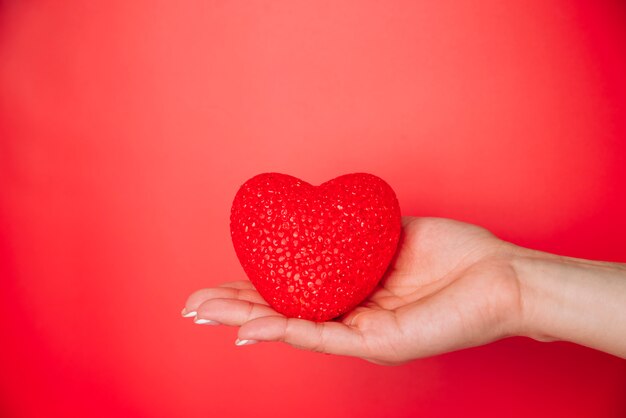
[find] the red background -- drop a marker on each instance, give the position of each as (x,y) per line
(127,127)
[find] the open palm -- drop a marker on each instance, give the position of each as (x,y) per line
(450,286)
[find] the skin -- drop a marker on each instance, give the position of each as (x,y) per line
(451,286)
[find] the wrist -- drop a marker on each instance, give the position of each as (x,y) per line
(570,299)
(532,268)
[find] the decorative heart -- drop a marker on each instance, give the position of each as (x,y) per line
(315,252)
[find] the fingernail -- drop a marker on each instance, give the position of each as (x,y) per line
(186,314)
(239,342)
(202,321)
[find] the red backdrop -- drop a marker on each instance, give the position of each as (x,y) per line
(127,127)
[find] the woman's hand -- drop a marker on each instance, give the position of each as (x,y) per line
(450,286)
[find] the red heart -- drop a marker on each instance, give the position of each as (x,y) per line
(315,252)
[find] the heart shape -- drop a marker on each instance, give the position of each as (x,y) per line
(315,252)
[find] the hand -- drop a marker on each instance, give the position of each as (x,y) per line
(450,286)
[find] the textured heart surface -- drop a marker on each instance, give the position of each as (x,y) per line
(315,252)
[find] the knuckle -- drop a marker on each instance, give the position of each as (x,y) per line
(209,306)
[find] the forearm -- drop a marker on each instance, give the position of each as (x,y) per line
(575,300)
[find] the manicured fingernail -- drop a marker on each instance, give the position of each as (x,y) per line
(202,321)
(239,342)
(187,314)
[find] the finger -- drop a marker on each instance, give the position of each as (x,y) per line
(348,318)
(232,311)
(239,284)
(200,296)
(323,337)
(406,220)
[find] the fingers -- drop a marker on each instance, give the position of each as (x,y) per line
(239,304)
(239,284)
(324,337)
(406,220)
(232,311)
(239,293)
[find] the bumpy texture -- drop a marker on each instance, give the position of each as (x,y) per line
(315,252)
